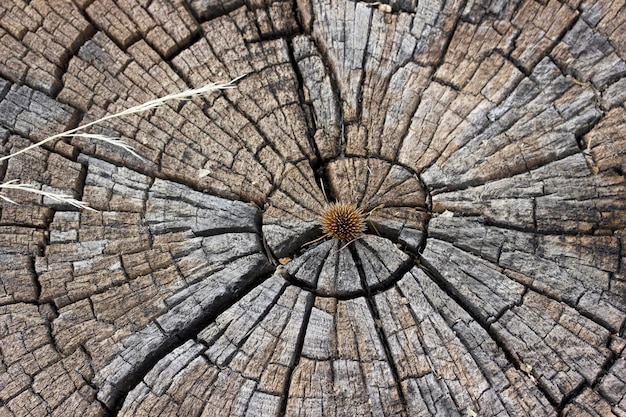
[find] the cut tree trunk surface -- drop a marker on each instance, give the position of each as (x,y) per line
(485,142)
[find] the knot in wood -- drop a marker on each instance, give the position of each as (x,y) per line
(343,221)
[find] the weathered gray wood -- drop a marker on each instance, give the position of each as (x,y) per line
(250,345)
(579,270)
(484,142)
(449,348)
(38,39)
(548,338)
(479,284)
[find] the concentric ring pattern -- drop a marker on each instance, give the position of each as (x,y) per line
(483,141)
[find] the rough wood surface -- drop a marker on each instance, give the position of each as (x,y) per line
(485,141)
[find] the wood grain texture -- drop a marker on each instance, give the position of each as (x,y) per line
(484,141)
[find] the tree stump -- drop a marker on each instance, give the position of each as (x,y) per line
(484,141)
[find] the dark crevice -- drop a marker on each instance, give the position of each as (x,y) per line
(90,384)
(71,53)
(394,276)
(584,130)
(570,396)
(478,17)
(131,380)
(307,108)
(299,283)
(453,87)
(622,251)
(219,231)
(534,211)
(297,18)
(528,72)
(265,248)
(215,11)
(275,37)
(517,303)
(254,21)
(141,36)
(606,369)
(359,100)
(273,259)
(30,226)
(392,281)
(323,181)
(82,181)
(60,67)
(36,282)
(593,26)
(603,96)
(277,182)
(610,361)
(448,42)
(573,72)
(196,36)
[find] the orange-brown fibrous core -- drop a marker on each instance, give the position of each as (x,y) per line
(344,221)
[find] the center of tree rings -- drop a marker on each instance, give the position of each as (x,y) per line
(343,221)
(350,229)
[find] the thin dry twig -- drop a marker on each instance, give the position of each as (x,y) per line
(108,139)
(148,105)
(80,132)
(32,188)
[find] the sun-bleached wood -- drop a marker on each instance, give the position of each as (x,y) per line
(483,141)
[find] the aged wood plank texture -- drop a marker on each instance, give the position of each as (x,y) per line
(484,142)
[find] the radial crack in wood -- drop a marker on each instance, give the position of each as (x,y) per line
(482,141)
